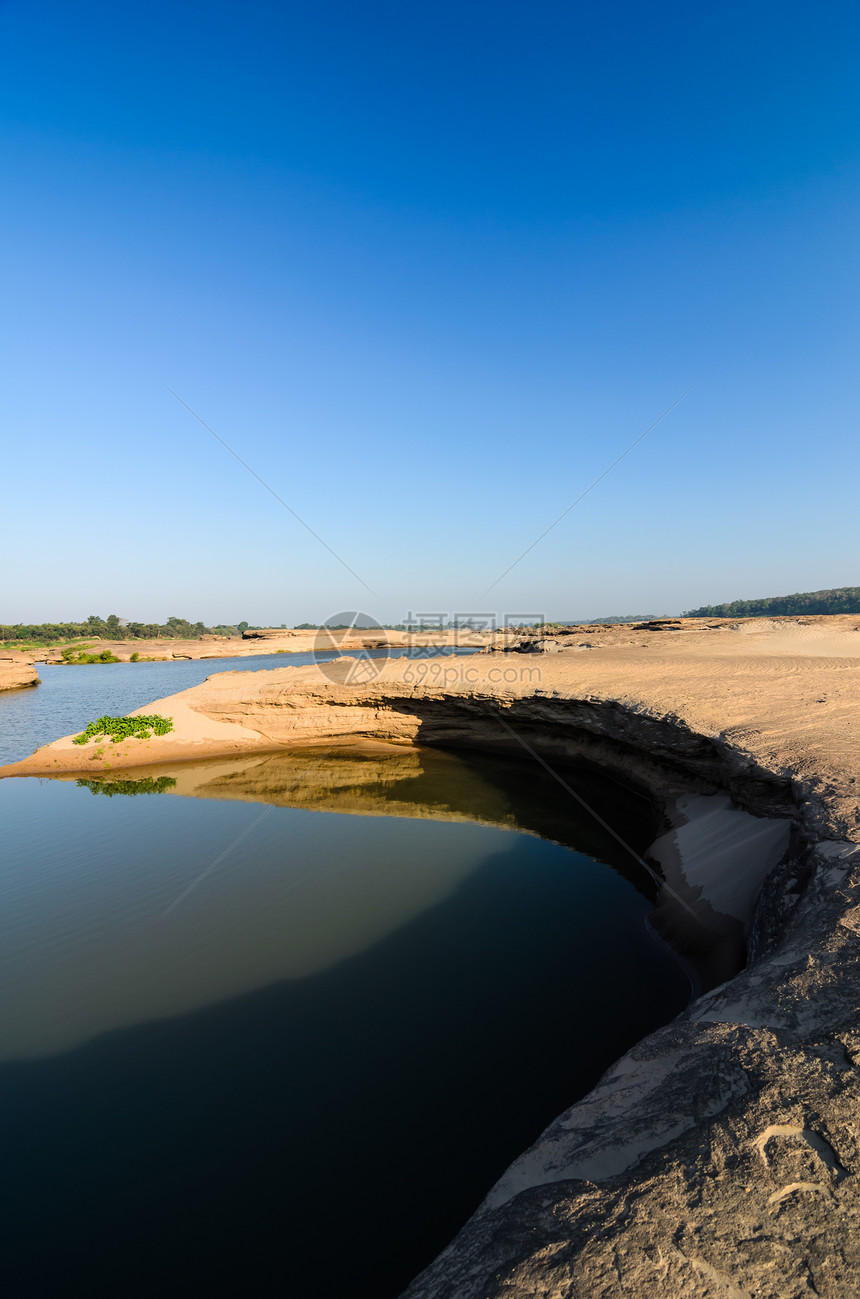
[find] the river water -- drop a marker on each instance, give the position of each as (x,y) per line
(274,1026)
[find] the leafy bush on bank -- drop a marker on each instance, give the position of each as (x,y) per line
(125,728)
(75,654)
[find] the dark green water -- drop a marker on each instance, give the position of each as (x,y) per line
(302,1075)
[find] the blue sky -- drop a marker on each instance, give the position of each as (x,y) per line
(428,269)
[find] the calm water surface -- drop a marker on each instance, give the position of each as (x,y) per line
(277,1028)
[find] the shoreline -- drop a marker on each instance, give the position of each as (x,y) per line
(726,1144)
(782,695)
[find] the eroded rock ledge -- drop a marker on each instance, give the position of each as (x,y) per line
(720,1157)
(17,672)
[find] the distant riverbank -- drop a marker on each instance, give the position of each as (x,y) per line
(18,666)
(253,643)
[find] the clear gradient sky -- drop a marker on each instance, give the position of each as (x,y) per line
(428,268)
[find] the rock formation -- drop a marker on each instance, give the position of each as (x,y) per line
(17,672)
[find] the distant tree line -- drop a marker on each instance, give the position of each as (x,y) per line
(114,628)
(843,599)
(617,618)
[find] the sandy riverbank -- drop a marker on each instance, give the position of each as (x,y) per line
(785,693)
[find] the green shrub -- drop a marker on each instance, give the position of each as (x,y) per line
(69,651)
(125,728)
(75,655)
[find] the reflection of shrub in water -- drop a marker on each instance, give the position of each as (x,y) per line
(146,785)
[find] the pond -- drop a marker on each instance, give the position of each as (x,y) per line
(274,1026)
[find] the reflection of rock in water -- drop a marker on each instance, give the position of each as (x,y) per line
(395,782)
(714,860)
(435,784)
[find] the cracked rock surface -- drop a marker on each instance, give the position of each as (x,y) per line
(719,1157)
